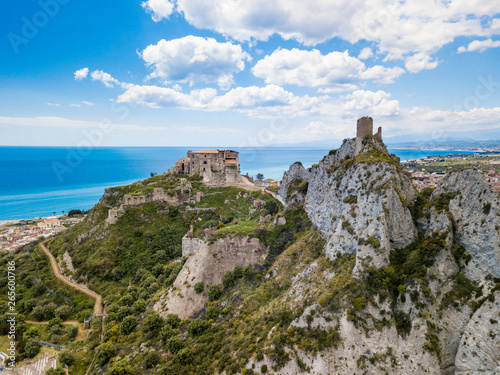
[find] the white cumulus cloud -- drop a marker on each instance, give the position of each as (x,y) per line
(479,45)
(159,9)
(419,62)
(365,53)
(81,74)
(194,59)
(105,78)
(313,69)
(374,103)
(254,101)
(398,28)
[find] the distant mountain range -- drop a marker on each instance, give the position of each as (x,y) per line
(450,144)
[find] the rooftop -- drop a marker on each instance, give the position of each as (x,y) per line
(209,151)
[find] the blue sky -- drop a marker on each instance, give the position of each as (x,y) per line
(236,73)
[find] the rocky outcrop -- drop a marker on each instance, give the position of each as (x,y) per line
(479,350)
(359,203)
(207,263)
(475,210)
(295,173)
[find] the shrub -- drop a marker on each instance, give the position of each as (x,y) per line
(66,358)
(351,199)
(185,356)
(359,303)
(56,371)
(212,312)
(228,280)
(199,287)
(151,359)
(128,324)
(153,323)
(403,323)
(373,241)
(173,320)
(214,292)
(106,351)
(174,344)
(121,367)
(263,369)
(487,208)
(271,207)
(166,333)
(197,327)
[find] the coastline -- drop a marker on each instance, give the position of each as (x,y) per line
(42,200)
(4,223)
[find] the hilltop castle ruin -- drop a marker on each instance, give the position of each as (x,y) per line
(215,166)
(364,128)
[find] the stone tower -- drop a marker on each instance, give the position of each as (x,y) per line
(364,128)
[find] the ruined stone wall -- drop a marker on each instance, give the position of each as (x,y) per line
(364,128)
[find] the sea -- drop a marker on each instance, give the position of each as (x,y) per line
(45,181)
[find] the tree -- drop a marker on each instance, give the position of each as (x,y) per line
(139,306)
(153,323)
(37,313)
(260,176)
(72,332)
(49,310)
(105,353)
(31,333)
(123,312)
(32,348)
(62,311)
(72,213)
(151,359)
(153,174)
(128,325)
(214,292)
(66,358)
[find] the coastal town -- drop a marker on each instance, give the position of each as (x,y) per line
(428,171)
(17,233)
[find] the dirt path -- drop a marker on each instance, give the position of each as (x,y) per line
(67,281)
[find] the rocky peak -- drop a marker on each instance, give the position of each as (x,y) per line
(359,202)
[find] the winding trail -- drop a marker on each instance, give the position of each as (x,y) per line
(67,281)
